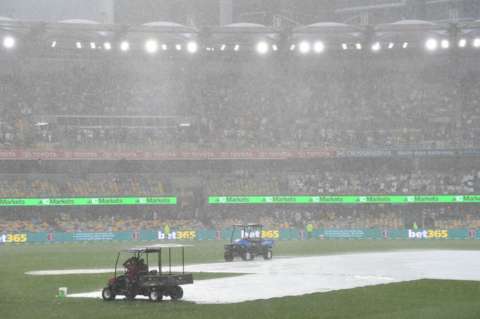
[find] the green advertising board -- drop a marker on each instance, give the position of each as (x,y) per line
(344,199)
(88,201)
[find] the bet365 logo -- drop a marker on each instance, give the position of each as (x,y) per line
(428,234)
(13,238)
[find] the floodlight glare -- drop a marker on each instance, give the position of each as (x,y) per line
(444,44)
(431,44)
(151,46)
(54,44)
(462,43)
(8,42)
(107,46)
(262,47)
(93,45)
(318,47)
(391,45)
(192,47)
(124,46)
(164,47)
(344,46)
(178,47)
(236,47)
(274,47)
(292,47)
(78,45)
(476,43)
(222,48)
(376,47)
(405,45)
(304,47)
(358,46)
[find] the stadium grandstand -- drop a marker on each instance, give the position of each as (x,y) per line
(384,101)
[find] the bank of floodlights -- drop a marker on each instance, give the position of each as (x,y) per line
(107,46)
(151,46)
(8,42)
(124,46)
(376,47)
(476,43)
(262,47)
(462,43)
(431,44)
(192,47)
(304,47)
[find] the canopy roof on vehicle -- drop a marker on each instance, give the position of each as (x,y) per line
(155,248)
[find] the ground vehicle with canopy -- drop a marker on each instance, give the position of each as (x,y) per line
(139,278)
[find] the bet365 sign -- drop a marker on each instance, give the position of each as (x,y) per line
(428,234)
(13,238)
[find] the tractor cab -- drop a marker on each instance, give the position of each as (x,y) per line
(246,242)
(148,271)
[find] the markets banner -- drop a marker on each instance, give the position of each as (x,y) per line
(225,234)
(88,201)
(344,199)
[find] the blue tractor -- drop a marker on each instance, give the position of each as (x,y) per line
(249,245)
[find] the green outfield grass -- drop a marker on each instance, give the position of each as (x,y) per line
(27,297)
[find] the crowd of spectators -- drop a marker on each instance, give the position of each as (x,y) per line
(64,185)
(235,105)
(332,217)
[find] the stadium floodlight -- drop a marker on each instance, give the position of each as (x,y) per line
(431,44)
(178,47)
(223,47)
(151,46)
(391,45)
(304,47)
(262,47)
(192,47)
(444,44)
(376,47)
(358,46)
(93,46)
(54,44)
(124,46)
(236,47)
(318,47)
(8,42)
(344,46)
(164,47)
(78,45)
(462,43)
(476,43)
(274,47)
(107,46)
(405,45)
(292,47)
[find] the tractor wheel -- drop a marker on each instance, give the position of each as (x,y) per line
(107,294)
(155,295)
(176,293)
(267,255)
(228,257)
(246,255)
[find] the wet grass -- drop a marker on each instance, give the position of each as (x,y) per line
(23,296)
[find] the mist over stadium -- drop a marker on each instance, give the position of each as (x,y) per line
(297,159)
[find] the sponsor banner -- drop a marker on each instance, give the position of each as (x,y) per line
(225,234)
(88,201)
(344,199)
(178,235)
